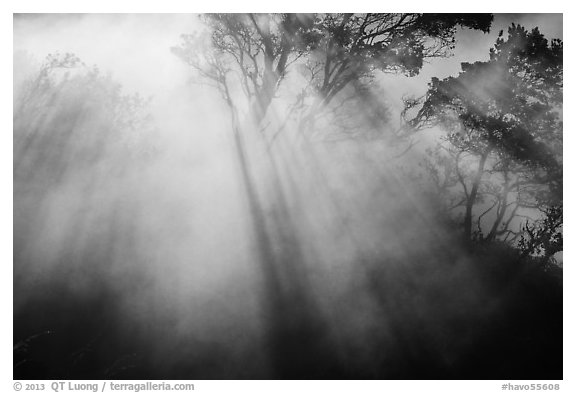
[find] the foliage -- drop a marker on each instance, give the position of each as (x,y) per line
(503,146)
(69,117)
(256,52)
(543,238)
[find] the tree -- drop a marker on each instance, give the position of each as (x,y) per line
(77,141)
(254,53)
(248,58)
(68,118)
(503,139)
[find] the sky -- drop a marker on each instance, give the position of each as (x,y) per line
(471,46)
(135,48)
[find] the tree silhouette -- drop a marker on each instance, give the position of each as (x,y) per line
(69,117)
(503,147)
(78,142)
(248,58)
(254,53)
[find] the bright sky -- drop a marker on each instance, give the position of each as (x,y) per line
(136,47)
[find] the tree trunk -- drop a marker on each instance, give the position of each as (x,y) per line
(503,207)
(471,200)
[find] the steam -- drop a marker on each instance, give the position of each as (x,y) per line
(151,226)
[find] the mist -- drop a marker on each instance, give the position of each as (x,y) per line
(161,232)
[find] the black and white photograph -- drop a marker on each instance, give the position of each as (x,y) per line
(288,196)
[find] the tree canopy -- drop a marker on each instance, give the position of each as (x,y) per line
(69,117)
(505,116)
(256,52)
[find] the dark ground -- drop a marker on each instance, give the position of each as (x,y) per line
(516,335)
